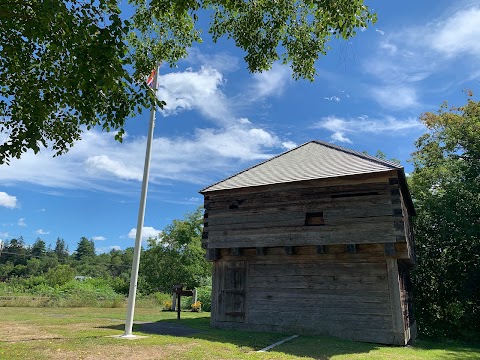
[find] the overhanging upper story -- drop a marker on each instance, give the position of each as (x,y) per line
(316,194)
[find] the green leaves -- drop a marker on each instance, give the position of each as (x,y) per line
(446,190)
(71,66)
(62,69)
(294,32)
(178,258)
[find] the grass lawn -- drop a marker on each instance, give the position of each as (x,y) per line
(83,333)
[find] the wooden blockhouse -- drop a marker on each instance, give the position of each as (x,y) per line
(317,240)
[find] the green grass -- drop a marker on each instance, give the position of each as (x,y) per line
(83,333)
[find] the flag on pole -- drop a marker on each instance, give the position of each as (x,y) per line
(152,81)
(151,78)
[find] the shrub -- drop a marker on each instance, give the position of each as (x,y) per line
(204,296)
(36,291)
(162,297)
(121,284)
(186,302)
(153,300)
(59,275)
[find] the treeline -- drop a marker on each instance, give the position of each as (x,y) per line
(445,186)
(176,257)
(56,266)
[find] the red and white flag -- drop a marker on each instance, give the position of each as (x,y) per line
(151,78)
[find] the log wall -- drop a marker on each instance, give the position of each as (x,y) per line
(335,293)
(358,210)
(274,271)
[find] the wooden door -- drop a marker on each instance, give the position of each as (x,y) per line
(231,297)
(406,298)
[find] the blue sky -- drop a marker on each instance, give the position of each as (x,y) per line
(221,119)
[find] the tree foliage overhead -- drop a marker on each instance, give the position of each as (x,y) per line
(446,189)
(70,66)
(63,66)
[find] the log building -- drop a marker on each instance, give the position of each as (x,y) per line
(316,240)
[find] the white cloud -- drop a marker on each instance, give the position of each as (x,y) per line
(456,35)
(202,91)
(99,238)
(21,222)
(332,98)
(340,126)
(42,232)
(147,232)
(8,201)
(4,235)
(114,167)
(289,145)
(220,61)
(98,158)
(402,67)
(244,121)
(106,249)
(272,82)
(390,48)
(237,142)
(397,97)
(199,90)
(380,31)
(405,58)
(338,136)
(66,171)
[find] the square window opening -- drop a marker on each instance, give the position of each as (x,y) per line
(314,219)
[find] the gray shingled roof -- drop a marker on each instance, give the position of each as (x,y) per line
(312,160)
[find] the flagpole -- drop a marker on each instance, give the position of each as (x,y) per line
(132,293)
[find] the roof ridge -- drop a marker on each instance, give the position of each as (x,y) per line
(256,165)
(359,154)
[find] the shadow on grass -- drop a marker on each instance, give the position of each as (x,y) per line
(317,347)
(324,347)
(161,327)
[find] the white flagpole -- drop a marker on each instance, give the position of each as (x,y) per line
(132,293)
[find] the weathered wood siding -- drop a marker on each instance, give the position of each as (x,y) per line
(406,300)
(356,211)
(231,286)
(338,294)
(408,229)
(274,272)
